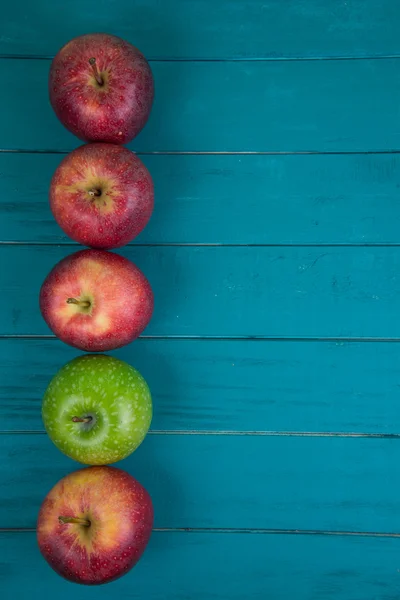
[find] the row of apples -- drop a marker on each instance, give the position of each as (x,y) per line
(95,523)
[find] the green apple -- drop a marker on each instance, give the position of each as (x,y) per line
(97,409)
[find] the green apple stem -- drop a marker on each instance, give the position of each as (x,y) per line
(76,520)
(82,303)
(92,63)
(81,419)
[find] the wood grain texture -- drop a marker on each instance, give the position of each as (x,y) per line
(229,385)
(204,476)
(238,106)
(339,199)
(331,484)
(178,566)
(203,28)
(248,291)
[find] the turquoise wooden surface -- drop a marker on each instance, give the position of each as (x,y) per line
(228,385)
(243,481)
(207,29)
(226,565)
(250,291)
(196,193)
(273,251)
(231,107)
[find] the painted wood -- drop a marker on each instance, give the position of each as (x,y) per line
(201,477)
(229,385)
(331,484)
(203,28)
(342,291)
(298,199)
(283,106)
(177,566)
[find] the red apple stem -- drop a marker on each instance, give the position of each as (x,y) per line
(82,303)
(94,192)
(81,419)
(76,520)
(92,63)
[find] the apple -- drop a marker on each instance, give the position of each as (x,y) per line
(101,88)
(96,300)
(94,525)
(102,195)
(97,409)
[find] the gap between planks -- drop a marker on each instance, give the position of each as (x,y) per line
(254,531)
(218,59)
(222,338)
(220,152)
(239,433)
(71,244)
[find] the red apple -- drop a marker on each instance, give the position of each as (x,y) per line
(101,88)
(94,525)
(96,300)
(102,195)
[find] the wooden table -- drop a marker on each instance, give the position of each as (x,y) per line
(273,354)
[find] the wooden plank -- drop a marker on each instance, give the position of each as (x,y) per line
(338,484)
(231,199)
(177,566)
(203,28)
(256,291)
(230,106)
(229,385)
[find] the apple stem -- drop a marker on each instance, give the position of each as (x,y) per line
(94,192)
(99,79)
(76,520)
(82,303)
(81,419)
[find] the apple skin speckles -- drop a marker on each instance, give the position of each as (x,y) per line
(113,400)
(96,300)
(120,513)
(114,110)
(102,195)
